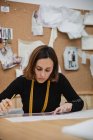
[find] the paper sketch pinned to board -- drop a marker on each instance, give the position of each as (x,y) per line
(87,42)
(7,58)
(88,18)
(25,48)
(71,58)
(7,34)
(37,28)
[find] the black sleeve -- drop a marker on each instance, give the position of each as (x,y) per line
(71,96)
(13,88)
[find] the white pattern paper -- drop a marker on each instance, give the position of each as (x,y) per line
(87,42)
(83,130)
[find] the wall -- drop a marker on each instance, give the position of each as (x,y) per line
(80,4)
(19,18)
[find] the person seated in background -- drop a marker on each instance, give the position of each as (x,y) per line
(41,86)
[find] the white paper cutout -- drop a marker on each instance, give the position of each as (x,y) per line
(50,16)
(88,18)
(19,72)
(91,64)
(53,37)
(37,28)
(25,49)
(87,42)
(84,57)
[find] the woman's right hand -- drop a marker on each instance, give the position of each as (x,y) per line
(5,105)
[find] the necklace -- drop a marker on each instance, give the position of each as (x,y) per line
(31,97)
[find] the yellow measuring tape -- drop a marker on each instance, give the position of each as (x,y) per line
(31,97)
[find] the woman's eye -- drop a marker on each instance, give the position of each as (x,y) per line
(39,69)
(47,70)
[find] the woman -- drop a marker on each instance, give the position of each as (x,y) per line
(41,86)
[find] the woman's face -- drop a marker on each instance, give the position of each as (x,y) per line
(43,69)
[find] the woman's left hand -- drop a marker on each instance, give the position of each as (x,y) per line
(66,107)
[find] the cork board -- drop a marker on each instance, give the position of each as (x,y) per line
(19,18)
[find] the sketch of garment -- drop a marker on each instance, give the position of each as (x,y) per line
(73,59)
(8,59)
(70,59)
(0,35)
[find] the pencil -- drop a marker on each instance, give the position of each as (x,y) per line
(13,96)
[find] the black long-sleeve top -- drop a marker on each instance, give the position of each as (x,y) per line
(22,86)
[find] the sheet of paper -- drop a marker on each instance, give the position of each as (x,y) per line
(91,64)
(74,115)
(83,130)
(53,37)
(87,42)
(25,48)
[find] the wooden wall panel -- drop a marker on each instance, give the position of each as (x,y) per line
(19,18)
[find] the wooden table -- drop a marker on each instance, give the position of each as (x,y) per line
(38,130)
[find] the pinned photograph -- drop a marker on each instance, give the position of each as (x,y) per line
(8,59)
(71,58)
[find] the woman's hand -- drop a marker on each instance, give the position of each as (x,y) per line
(5,105)
(66,107)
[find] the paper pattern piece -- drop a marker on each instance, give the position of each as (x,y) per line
(19,72)
(88,18)
(53,37)
(37,28)
(65,19)
(87,42)
(84,57)
(83,130)
(50,16)
(25,49)
(73,115)
(91,64)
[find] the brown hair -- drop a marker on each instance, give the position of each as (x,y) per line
(40,52)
